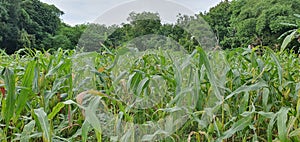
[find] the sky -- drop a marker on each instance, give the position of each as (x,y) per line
(116,11)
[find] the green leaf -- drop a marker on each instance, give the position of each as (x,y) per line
(287,40)
(279,68)
(265,98)
(91,116)
(55,88)
(27,82)
(55,110)
(269,115)
(85,129)
(69,102)
(289,24)
(237,126)
(203,60)
(134,80)
(43,120)
(2,136)
(122,51)
(142,85)
(9,79)
(55,69)
(295,133)
(281,124)
(270,127)
(297,15)
(28,129)
(246,88)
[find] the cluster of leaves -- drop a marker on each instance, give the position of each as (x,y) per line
(249,97)
(291,35)
(27,23)
(243,22)
(144,24)
(236,23)
(37,25)
(34,24)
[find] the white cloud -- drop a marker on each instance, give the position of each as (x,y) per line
(83,11)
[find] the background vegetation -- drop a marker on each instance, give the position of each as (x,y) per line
(238,23)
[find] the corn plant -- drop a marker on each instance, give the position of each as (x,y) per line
(239,95)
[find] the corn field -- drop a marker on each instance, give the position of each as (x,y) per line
(232,95)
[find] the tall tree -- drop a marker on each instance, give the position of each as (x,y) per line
(9,19)
(40,20)
(243,22)
(218,18)
(26,23)
(259,22)
(144,23)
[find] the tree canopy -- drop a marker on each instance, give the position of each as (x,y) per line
(244,22)
(26,23)
(237,23)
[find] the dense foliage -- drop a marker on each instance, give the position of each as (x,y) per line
(237,23)
(260,96)
(243,22)
(27,24)
(50,91)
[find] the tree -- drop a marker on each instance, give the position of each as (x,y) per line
(196,32)
(26,23)
(9,30)
(256,22)
(140,24)
(3,18)
(40,20)
(259,22)
(218,18)
(144,23)
(66,37)
(92,38)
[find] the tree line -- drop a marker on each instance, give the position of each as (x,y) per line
(239,23)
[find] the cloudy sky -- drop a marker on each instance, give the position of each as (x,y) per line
(116,11)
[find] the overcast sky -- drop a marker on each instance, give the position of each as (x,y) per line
(116,11)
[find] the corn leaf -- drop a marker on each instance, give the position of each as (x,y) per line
(55,110)
(43,120)
(279,68)
(9,79)
(85,129)
(281,124)
(237,126)
(27,83)
(28,129)
(287,40)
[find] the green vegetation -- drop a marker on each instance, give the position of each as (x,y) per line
(27,24)
(259,96)
(239,23)
(52,92)
(243,22)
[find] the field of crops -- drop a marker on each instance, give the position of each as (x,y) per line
(234,95)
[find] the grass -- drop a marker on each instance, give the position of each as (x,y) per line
(234,95)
